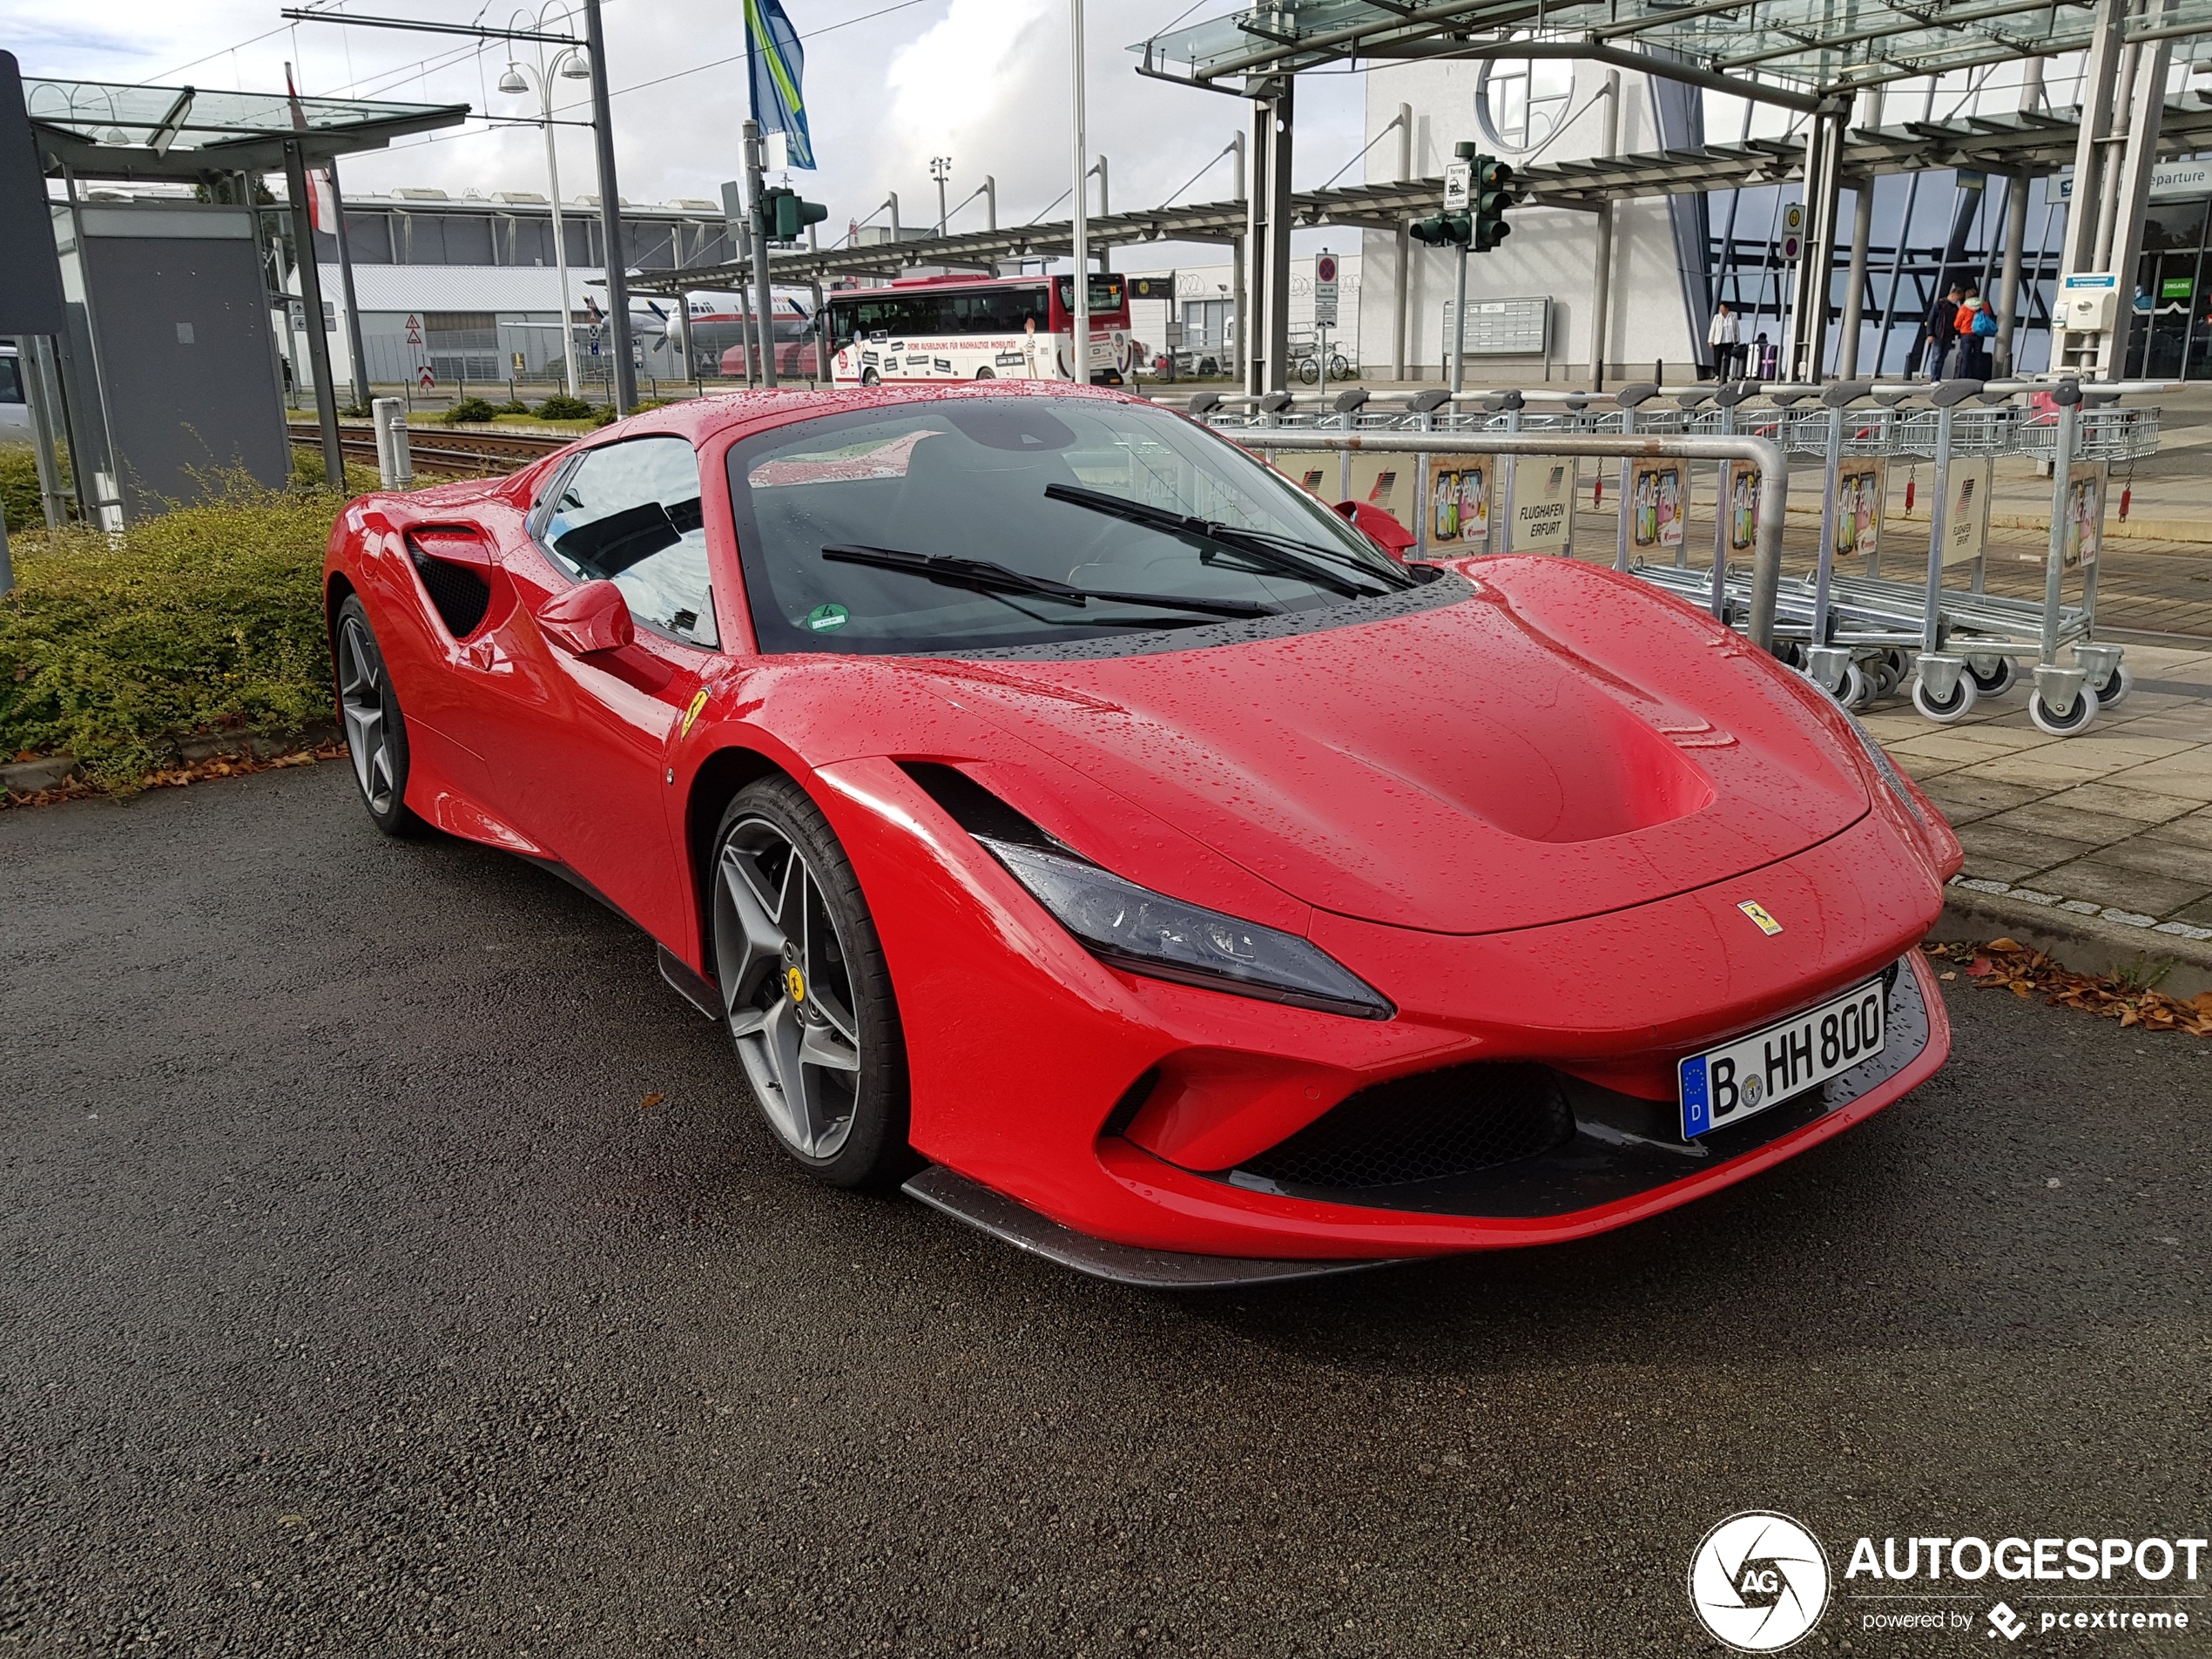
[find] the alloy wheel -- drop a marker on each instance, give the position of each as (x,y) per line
(361,704)
(786,988)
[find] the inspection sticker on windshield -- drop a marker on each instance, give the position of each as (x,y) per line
(1729,1084)
(822,618)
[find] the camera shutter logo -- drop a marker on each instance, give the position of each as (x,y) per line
(1759,1582)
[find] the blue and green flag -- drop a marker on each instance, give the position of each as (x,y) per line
(771,44)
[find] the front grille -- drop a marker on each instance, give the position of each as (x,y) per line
(461,595)
(1428,1126)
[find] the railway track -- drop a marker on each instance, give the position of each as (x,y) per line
(442,453)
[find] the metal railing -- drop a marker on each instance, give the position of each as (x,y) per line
(1761,452)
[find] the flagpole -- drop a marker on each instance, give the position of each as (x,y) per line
(1081,355)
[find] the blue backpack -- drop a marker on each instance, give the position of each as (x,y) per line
(1985,323)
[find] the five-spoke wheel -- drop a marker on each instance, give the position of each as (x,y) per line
(805,989)
(376,729)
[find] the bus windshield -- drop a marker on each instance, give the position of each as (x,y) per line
(1107,295)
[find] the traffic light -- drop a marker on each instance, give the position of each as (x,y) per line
(1494,188)
(1443,230)
(785,216)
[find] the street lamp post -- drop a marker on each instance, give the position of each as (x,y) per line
(940,169)
(568,63)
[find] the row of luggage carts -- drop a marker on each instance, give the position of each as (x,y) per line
(1862,635)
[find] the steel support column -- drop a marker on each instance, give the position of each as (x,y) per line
(1862,231)
(1267,238)
(1601,258)
(1809,292)
(2147,109)
(1402,248)
(303,243)
(2008,279)
(1233,350)
(2100,101)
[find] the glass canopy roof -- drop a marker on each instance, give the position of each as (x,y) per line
(1824,44)
(103,129)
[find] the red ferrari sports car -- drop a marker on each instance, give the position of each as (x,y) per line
(1075,821)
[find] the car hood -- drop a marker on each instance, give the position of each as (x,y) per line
(1557,742)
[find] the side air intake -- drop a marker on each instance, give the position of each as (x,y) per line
(456,588)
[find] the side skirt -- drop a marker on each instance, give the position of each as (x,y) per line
(694,988)
(1154,1269)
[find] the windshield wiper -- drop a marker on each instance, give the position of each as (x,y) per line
(982,576)
(1287,556)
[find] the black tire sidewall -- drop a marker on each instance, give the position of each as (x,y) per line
(397,818)
(875,1156)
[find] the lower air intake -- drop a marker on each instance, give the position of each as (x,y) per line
(1428,1126)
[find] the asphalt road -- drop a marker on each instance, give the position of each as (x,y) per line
(352,1303)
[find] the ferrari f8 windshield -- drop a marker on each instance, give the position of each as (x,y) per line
(1058,496)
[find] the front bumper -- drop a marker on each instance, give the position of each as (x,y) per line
(1123,1109)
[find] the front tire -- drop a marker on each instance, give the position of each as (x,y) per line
(376,729)
(869,377)
(805,991)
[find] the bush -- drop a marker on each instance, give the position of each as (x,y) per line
(561,407)
(469,409)
(208,618)
(604,415)
(19,487)
(513,406)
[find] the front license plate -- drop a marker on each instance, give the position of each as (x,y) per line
(1727,1084)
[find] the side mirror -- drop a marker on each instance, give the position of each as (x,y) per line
(590,617)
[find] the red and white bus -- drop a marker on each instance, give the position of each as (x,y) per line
(977,328)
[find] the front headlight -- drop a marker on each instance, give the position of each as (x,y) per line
(1887,767)
(1148,933)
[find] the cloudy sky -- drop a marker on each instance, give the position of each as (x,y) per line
(888,86)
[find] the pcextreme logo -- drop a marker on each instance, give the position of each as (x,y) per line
(1758,1582)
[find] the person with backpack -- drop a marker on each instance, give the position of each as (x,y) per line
(1975,323)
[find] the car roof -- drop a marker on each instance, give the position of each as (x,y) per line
(703,419)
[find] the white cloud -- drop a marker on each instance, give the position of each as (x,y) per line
(984,81)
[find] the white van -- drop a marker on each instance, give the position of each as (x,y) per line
(15,413)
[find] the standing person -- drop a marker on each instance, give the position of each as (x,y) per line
(1976,323)
(1726,338)
(1938,330)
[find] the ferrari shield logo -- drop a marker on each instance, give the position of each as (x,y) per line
(692,713)
(1757,911)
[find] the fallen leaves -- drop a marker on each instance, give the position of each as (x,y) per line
(649,1101)
(2005,964)
(178,776)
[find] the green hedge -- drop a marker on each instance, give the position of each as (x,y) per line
(19,487)
(208,618)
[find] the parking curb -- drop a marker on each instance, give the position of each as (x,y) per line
(2085,944)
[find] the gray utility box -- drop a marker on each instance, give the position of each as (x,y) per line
(170,363)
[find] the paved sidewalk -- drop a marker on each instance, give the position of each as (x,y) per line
(2113,825)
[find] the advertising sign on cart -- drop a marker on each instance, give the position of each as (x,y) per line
(1459,503)
(1658,505)
(1387,482)
(1543,503)
(1965,519)
(1742,508)
(1860,487)
(2085,512)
